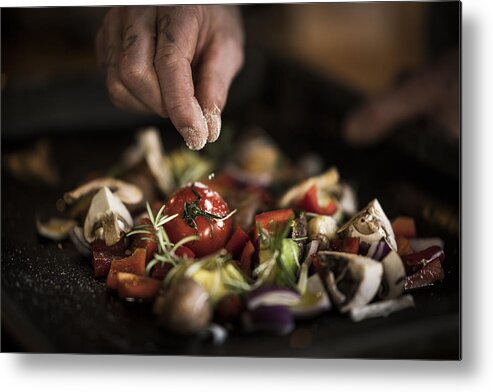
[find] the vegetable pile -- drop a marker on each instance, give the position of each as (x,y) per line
(254,247)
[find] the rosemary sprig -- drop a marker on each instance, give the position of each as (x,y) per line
(155,232)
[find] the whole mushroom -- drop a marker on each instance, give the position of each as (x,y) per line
(185,308)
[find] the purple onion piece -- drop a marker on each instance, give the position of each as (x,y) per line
(276,319)
(271,296)
(381,251)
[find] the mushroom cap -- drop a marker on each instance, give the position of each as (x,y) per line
(186,308)
(55,228)
(126,192)
(370,225)
(107,218)
(149,143)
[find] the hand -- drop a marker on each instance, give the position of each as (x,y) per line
(433,93)
(153,56)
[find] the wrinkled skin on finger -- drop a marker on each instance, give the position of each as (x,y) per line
(174,61)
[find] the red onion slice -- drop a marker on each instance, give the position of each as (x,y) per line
(271,296)
(276,319)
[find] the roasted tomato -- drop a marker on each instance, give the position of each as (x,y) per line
(203,212)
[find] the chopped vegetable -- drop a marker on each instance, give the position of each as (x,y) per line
(404,226)
(416,261)
(237,242)
(318,202)
(381,308)
(429,274)
(103,255)
(131,286)
(275,319)
(135,264)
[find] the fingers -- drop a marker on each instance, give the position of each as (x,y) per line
(111,44)
(136,61)
(177,35)
(221,63)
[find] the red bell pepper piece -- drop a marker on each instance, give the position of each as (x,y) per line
(311,203)
(404,226)
(134,286)
(276,218)
(346,245)
(403,246)
(135,263)
(146,241)
(103,255)
(237,242)
(246,258)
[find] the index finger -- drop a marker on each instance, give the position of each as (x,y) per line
(178,30)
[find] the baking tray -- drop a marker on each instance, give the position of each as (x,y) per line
(52,303)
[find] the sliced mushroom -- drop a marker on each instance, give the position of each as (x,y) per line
(381,308)
(107,219)
(394,276)
(55,228)
(76,235)
(149,141)
(370,225)
(127,193)
(351,280)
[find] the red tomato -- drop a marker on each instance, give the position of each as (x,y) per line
(201,211)
(311,203)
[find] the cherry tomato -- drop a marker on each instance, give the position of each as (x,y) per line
(203,212)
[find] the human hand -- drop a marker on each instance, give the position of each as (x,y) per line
(433,93)
(175,61)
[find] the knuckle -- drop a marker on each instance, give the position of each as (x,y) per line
(117,92)
(133,73)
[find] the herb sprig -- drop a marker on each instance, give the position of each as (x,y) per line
(166,252)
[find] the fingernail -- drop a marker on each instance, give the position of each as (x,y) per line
(213,119)
(193,138)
